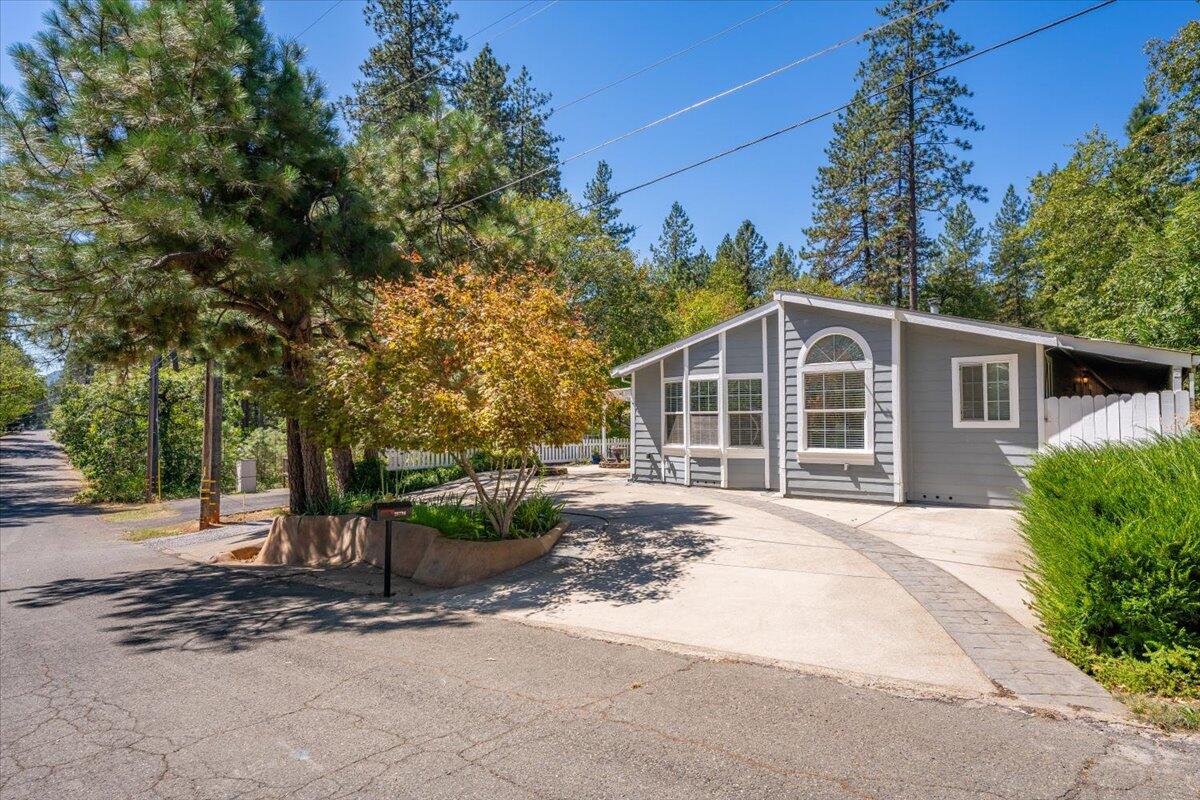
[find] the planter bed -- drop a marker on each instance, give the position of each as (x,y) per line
(419,553)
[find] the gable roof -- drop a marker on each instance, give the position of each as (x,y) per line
(1136,352)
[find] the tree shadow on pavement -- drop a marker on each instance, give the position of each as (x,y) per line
(202,607)
(622,553)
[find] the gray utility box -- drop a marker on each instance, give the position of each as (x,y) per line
(247,475)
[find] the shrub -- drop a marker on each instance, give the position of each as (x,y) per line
(534,516)
(1115,536)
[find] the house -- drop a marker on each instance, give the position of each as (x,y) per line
(813,396)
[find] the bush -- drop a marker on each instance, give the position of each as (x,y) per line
(1115,536)
(534,516)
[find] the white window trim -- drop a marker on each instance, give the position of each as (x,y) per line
(822,455)
(1014,393)
(691,446)
(746,449)
(673,449)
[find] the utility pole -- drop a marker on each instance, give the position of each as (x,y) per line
(210,468)
(152,445)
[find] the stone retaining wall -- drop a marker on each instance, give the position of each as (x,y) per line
(418,552)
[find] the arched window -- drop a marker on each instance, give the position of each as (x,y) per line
(836,375)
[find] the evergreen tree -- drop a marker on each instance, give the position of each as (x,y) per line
(533,150)
(602,205)
(956,275)
(1011,262)
(518,113)
(414,60)
(849,235)
(924,120)
(484,90)
(200,199)
(747,252)
(781,269)
(674,256)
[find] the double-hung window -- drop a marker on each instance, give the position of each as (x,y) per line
(744,397)
(673,412)
(835,376)
(984,392)
(703,409)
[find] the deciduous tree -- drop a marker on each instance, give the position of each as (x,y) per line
(463,362)
(21,387)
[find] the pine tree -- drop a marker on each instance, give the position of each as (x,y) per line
(849,234)
(414,59)
(675,253)
(602,205)
(748,251)
(201,200)
(956,274)
(781,269)
(484,89)
(924,120)
(1011,261)
(533,150)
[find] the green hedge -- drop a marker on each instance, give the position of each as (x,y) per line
(1115,536)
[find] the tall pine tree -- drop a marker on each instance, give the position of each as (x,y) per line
(1011,263)
(849,234)
(924,121)
(484,90)
(602,205)
(781,269)
(674,256)
(415,57)
(533,149)
(956,274)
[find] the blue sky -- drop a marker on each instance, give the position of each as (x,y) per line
(1033,98)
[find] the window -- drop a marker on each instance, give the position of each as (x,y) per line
(984,392)
(702,413)
(836,376)
(673,412)
(744,397)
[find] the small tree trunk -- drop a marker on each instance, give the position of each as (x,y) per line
(316,484)
(370,453)
(152,446)
(297,498)
(343,467)
(210,468)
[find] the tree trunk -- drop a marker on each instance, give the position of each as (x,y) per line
(316,484)
(297,498)
(210,469)
(343,467)
(152,446)
(370,453)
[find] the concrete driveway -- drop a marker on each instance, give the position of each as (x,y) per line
(918,597)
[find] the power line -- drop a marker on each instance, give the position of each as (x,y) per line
(324,14)
(496,22)
(670,57)
(830,112)
(446,61)
(701,103)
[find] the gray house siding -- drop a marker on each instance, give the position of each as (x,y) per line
(854,481)
(673,365)
(974,466)
(674,466)
(705,356)
(743,348)
(771,387)
(706,471)
(646,424)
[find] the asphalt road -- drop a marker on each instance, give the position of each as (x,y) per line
(126,673)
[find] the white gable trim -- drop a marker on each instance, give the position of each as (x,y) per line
(674,347)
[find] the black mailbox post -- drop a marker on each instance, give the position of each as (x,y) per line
(387,511)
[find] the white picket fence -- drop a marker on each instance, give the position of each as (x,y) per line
(563,454)
(1115,417)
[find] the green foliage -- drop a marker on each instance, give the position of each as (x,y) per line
(21,387)
(268,447)
(413,60)
(1011,262)
(674,255)
(534,516)
(956,275)
(1115,536)
(601,203)
(1115,229)
(781,269)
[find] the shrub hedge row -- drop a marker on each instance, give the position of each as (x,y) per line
(1114,532)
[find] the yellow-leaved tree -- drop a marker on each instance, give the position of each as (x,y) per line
(462,362)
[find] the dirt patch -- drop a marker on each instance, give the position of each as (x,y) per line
(142,534)
(255,516)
